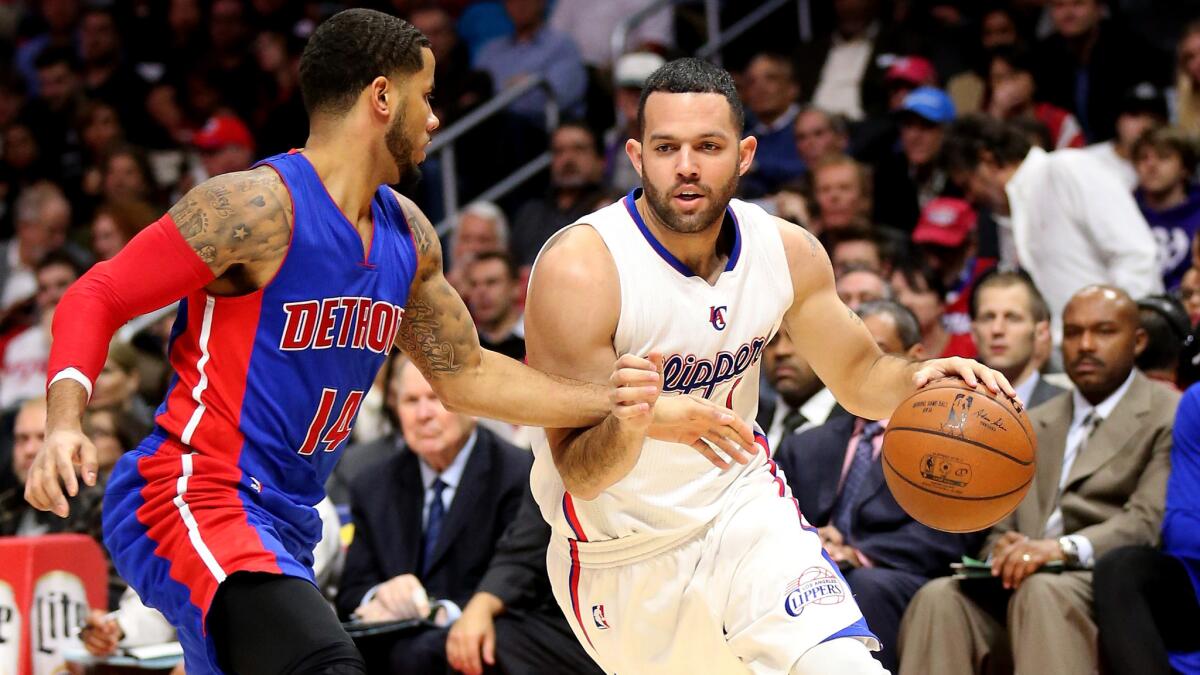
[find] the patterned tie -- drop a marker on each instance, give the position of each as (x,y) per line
(437,510)
(860,466)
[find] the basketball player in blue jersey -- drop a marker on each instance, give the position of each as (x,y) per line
(296,279)
(669,558)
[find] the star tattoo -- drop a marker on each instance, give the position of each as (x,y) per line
(240,232)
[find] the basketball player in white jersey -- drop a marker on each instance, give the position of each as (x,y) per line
(669,558)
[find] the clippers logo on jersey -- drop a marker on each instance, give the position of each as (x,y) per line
(599,618)
(716,316)
(357,323)
(686,373)
(817,585)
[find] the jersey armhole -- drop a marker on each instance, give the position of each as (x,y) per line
(620,286)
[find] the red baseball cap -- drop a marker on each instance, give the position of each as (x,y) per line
(945,221)
(914,70)
(223,130)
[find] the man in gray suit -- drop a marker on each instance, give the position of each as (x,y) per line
(1011,325)
(1102,466)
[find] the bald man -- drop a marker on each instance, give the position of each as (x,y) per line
(1101,480)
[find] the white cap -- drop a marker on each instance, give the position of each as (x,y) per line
(635,67)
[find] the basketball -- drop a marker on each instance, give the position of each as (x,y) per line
(958,459)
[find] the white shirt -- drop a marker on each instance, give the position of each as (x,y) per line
(838,89)
(23,370)
(590,24)
(815,410)
(1077,434)
(1106,154)
(1075,224)
(452,476)
(20,283)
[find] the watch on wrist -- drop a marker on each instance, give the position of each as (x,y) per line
(1070,551)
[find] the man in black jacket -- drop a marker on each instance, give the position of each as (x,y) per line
(513,625)
(836,475)
(426,521)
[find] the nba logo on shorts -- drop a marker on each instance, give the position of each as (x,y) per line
(816,586)
(599,618)
(716,316)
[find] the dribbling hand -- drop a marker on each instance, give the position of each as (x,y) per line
(970,371)
(55,466)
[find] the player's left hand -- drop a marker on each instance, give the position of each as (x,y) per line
(970,371)
(1024,558)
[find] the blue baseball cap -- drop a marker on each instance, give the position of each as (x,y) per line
(930,103)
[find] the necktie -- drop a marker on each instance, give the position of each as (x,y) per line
(793,421)
(860,466)
(433,527)
(1090,423)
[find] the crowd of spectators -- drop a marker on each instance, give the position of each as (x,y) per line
(1009,181)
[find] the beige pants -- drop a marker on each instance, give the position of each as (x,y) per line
(1047,628)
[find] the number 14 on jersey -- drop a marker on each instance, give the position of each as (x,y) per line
(340,430)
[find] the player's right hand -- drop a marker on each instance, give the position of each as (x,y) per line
(472,640)
(55,466)
(637,383)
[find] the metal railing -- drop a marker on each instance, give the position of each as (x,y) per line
(443,142)
(443,146)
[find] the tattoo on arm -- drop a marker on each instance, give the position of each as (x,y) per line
(437,332)
(814,246)
(237,218)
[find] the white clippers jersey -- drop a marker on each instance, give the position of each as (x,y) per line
(712,338)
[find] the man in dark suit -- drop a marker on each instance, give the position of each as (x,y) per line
(835,473)
(796,399)
(1100,483)
(426,524)
(513,625)
(1011,325)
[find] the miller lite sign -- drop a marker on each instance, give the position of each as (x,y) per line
(59,610)
(10,631)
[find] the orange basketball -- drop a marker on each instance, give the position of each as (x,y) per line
(958,459)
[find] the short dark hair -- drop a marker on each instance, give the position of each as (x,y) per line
(53,56)
(349,50)
(510,265)
(597,144)
(1166,327)
(692,76)
(1169,140)
(59,256)
(998,277)
(908,329)
(969,136)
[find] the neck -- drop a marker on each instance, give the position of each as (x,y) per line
(526,32)
(1082,45)
(768,118)
(697,250)
(1165,199)
(349,168)
(798,398)
(440,461)
(1018,375)
(1006,175)
(565,198)
(935,339)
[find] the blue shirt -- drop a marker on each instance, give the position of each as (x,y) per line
(1173,229)
(550,54)
(1181,525)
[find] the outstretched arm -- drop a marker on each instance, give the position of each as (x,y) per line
(228,234)
(438,335)
(570,317)
(864,380)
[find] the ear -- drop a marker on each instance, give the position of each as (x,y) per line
(382,97)
(987,158)
(1041,331)
(916,352)
(746,148)
(1140,340)
(633,150)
